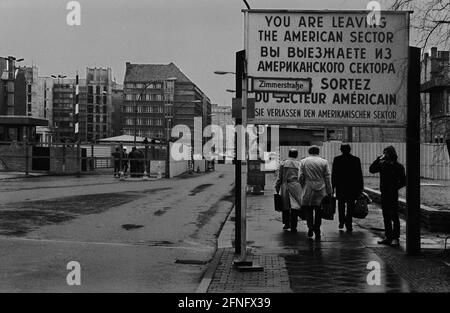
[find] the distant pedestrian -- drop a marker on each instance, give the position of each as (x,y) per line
(145,141)
(125,161)
(141,162)
(392,178)
(133,156)
(289,185)
(315,179)
(116,156)
(347,180)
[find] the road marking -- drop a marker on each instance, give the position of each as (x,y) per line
(143,244)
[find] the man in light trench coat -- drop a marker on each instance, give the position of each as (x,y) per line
(315,179)
(289,185)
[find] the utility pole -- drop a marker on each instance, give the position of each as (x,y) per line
(413,155)
(240,57)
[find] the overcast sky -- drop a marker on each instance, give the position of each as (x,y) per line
(199,36)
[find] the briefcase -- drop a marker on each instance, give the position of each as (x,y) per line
(328,208)
(361,208)
(278,203)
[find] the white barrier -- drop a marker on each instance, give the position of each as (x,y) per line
(434,158)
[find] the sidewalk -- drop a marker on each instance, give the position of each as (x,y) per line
(338,263)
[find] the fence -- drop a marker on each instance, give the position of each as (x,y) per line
(70,158)
(434,158)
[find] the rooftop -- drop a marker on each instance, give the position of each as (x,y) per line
(153,72)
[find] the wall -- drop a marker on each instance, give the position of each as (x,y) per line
(13,158)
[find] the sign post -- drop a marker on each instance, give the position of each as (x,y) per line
(327,68)
(413,155)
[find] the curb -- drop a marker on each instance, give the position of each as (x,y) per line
(209,274)
(212,267)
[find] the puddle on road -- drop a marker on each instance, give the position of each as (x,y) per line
(17,219)
(131,226)
(162,211)
(199,189)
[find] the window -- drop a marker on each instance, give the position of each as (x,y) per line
(97,90)
(29,98)
(158,98)
(90,109)
(29,88)
(105,109)
(104,119)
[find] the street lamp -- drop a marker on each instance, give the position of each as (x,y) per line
(223,72)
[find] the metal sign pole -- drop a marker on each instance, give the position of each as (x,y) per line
(240,57)
(243,146)
(413,155)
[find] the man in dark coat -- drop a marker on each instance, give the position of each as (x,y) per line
(392,178)
(347,180)
(116,156)
(134,163)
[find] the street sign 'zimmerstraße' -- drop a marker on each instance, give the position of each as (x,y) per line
(357,71)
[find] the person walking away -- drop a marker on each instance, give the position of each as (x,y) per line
(134,164)
(140,162)
(116,156)
(289,185)
(125,161)
(315,179)
(347,180)
(392,178)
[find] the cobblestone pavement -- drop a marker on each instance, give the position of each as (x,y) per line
(293,262)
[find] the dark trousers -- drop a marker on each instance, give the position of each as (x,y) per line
(346,219)
(389,206)
(116,167)
(314,218)
(290,217)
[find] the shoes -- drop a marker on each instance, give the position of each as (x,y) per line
(317,236)
(349,230)
(395,243)
(286,227)
(310,232)
(341,225)
(293,230)
(385,242)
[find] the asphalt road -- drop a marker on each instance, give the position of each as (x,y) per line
(127,236)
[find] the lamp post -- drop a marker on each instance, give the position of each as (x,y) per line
(240,165)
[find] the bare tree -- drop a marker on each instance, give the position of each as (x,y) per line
(430,21)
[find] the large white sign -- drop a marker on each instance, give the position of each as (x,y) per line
(358,71)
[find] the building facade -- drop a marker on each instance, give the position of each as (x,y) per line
(63,108)
(117,103)
(159,96)
(96,107)
(435,88)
